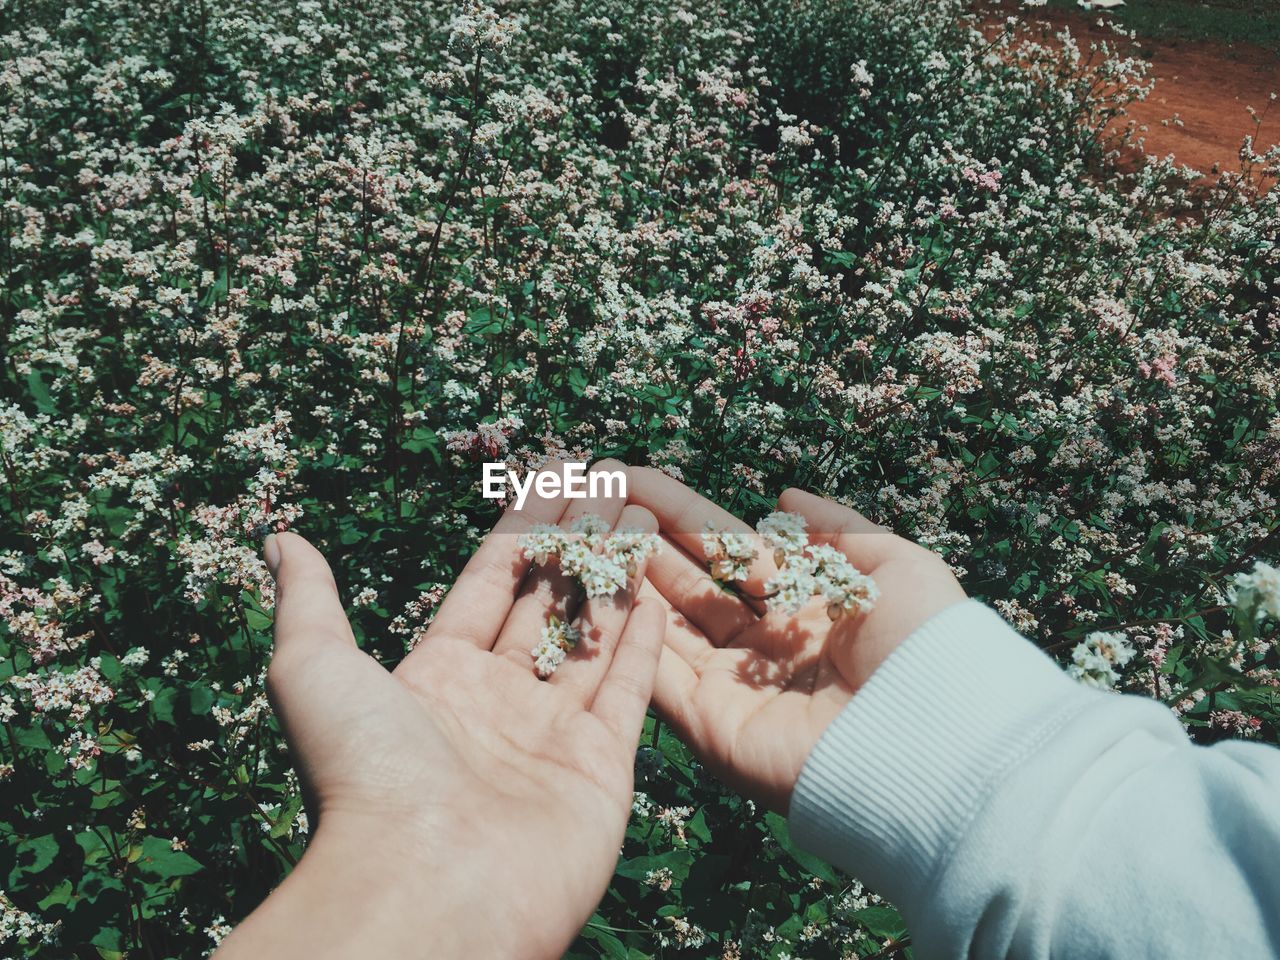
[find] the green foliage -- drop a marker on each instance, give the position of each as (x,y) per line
(272,265)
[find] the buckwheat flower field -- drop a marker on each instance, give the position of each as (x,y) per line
(308,265)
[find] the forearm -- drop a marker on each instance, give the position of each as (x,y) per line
(352,896)
(1011,812)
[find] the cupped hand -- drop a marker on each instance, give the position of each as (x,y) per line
(491,802)
(751,690)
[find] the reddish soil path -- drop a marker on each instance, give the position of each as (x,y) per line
(1207,85)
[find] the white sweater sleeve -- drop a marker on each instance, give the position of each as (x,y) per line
(1009,811)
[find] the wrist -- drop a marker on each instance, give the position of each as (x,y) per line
(365,890)
(894,780)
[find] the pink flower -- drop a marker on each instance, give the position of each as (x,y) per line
(988,180)
(1161,369)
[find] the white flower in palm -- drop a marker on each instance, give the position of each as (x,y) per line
(557,639)
(629,547)
(729,554)
(843,585)
(784,533)
(591,527)
(793,586)
(601,562)
(542,542)
(599,575)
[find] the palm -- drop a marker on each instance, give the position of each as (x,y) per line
(436,725)
(472,740)
(751,690)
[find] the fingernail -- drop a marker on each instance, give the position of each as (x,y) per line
(271,553)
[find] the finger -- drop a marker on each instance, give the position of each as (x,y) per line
(477,606)
(689,588)
(684,515)
(546,591)
(689,643)
(308,611)
(867,544)
(624,694)
(312,647)
(601,622)
(674,687)
(310,627)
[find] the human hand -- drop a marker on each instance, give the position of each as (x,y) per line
(751,691)
(462,805)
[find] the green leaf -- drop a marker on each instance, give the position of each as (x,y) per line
(807,861)
(40,392)
(698,826)
(158,857)
(201,700)
(257,620)
(284,819)
(610,946)
(59,895)
(162,705)
(882,922)
(42,850)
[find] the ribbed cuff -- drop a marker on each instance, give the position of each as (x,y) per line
(897,777)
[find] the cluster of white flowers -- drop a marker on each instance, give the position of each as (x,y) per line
(601,561)
(17,925)
(682,935)
(135,657)
(660,879)
(804,569)
(1257,592)
(558,638)
(729,554)
(674,820)
(1094,661)
(786,533)
(218,929)
(418,613)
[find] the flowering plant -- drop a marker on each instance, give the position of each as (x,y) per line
(305,265)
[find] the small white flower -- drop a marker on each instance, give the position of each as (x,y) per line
(1094,661)
(844,585)
(629,547)
(793,586)
(1259,590)
(600,576)
(591,527)
(542,542)
(557,639)
(729,554)
(547,658)
(783,533)
(135,657)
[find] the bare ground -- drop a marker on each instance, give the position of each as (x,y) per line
(1206,85)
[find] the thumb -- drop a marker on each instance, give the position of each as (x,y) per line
(309,624)
(309,618)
